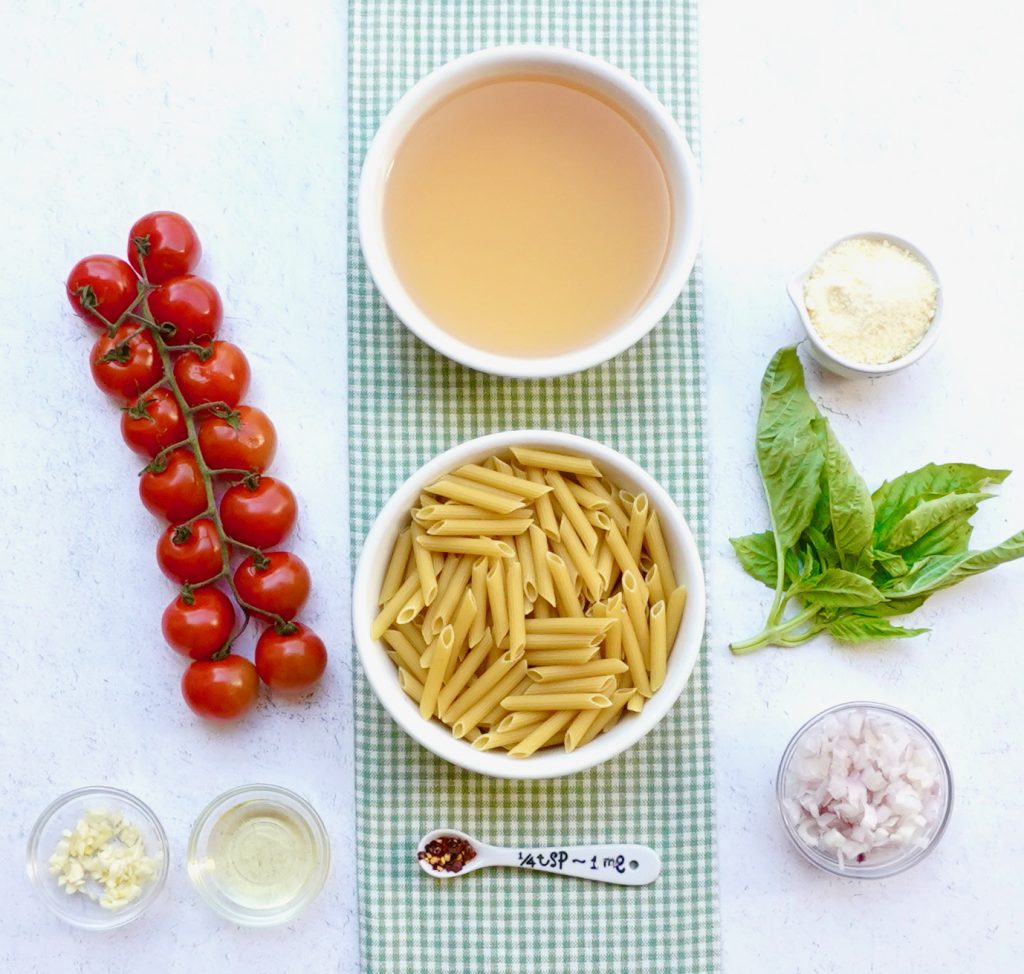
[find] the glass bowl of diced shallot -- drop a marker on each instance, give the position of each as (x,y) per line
(865,790)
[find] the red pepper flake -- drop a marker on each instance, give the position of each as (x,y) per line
(447,853)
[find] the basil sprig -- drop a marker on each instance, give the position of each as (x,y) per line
(852,559)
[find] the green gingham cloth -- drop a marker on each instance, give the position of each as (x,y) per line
(407,404)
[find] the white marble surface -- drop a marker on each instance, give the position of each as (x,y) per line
(819,117)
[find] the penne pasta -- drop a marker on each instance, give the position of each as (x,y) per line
(467,492)
(542,609)
(524,552)
(585,626)
(635,703)
(571,510)
(441,650)
(389,612)
(478,585)
(556,701)
(582,722)
(561,657)
(408,655)
(607,716)
(636,609)
(424,566)
(621,554)
(516,609)
(466,721)
(546,519)
(496,600)
(560,640)
(396,570)
(507,483)
(477,691)
(674,611)
(461,622)
(585,498)
(464,672)
(659,645)
(521,718)
(655,590)
(413,634)
(487,547)
(581,558)
(412,608)
(548,460)
(597,667)
(540,736)
(412,686)
(444,580)
(565,591)
(637,522)
(583,684)
(491,527)
(440,613)
(659,553)
(634,657)
(599,520)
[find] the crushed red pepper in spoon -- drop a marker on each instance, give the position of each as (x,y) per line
(448,853)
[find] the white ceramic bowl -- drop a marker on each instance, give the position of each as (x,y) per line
(659,126)
(433,735)
(848,368)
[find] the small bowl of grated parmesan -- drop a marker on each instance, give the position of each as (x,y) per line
(865,790)
(871,305)
(98,857)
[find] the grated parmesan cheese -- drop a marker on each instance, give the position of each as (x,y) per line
(108,850)
(870,301)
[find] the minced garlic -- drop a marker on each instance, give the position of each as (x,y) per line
(106,848)
(870,301)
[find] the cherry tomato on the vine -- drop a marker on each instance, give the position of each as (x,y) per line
(191,304)
(190,553)
(279,587)
(153,422)
(176,492)
(222,689)
(125,368)
(260,515)
(221,376)
(292,662)
(200,627)
(169,245)
(106,284)
(246,440)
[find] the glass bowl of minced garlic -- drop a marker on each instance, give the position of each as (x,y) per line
(98,857)
(871,304)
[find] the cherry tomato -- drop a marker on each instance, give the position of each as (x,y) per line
(123,368)
(223,377)
(249,447)
(279,588)
(199,629)
(190,554)
(107,284)
(150,424)
(169,245)
(191,304)
(262,515)
(222,689)
(177,491)
(290,663)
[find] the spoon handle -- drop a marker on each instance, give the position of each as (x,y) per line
(623,865)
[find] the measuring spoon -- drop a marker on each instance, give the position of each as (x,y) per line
(621,864)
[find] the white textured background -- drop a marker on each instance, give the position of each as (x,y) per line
(820,117)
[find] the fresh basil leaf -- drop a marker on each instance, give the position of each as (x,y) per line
(928,515)
(756,553)
(851,513)
(789,455)
(896,498)
(838,588)
(823,549)
(856,628)
(949,538)
(892,564)
(894,607)
(942,571)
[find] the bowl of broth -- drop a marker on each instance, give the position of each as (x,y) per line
(529,211)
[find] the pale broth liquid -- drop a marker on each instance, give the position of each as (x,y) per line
(527,216)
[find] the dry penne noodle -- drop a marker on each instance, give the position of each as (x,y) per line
(406,652)
(490,527)
(478,586)
(586,684)
(560,657)
(636,608)
(581,558)
(548,460)
(508,483)
(441,650)
(529,604)
(598,667)
(524,552)
(440,612)
(674,610)
(565,591)
(655,590)
(584,626)
(516,609)
(477,691)
(478,495)
(585,498)
(389,612)
(659,553)
(395,574)
(637,522)
(571,510)
(539,737)
(424,566)
(659,646)
(463,724)
(560,640)
(496,600)
(487,547)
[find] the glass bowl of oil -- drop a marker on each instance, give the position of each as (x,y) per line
(258,855)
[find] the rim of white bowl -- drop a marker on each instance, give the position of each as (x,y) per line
(658,125)
(433,735)
(826,353)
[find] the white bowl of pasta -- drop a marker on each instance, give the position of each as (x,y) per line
(529,604)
